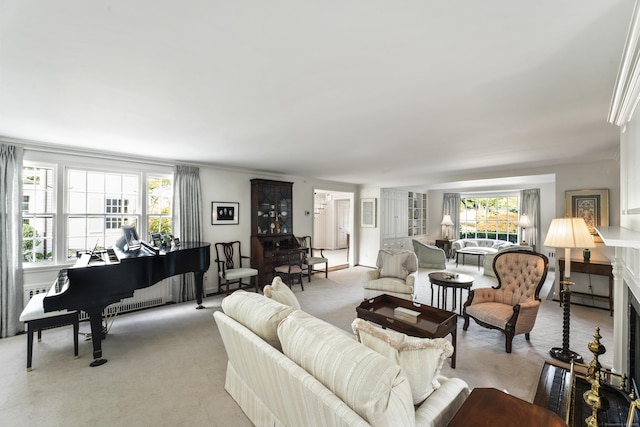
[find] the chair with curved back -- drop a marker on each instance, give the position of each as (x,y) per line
(292,269)
(309,260)
(230,270)
(512,305)
(429,256)
(395,275)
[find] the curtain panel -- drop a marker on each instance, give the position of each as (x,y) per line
(451,206)
(530,205)
(187,219)
(11,281)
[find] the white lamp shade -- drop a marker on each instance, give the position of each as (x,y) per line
(524,221)
(569,233)
(446,220)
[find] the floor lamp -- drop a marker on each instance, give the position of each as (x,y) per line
(567,233)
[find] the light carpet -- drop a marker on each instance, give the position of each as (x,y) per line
(167,364)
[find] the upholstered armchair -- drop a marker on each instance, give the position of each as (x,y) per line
(429,256)
(395,274)
(512,305)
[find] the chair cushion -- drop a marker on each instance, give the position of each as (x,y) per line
(258,313)
(493,313)
(238,273)
(369,383)
(394,264)
(313,260)
(280,292)
(420,358)
(390,284)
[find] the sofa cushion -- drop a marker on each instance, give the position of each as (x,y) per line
(420,358)
(373,386)
(394,264)
(470,244)
(258,313)
(280,292)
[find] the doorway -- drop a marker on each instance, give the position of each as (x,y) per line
(332,225)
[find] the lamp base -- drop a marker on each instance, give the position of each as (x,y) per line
(565,355)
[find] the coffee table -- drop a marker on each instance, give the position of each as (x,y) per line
(432,322)
(491,407)
(470,251)
(448,280)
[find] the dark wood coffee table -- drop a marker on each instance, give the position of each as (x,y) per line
(432,322)
(490,407)
(448,280)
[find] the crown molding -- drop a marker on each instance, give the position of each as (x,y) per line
(626,92)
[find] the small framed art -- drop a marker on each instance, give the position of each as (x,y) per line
(225,213)
(592,205)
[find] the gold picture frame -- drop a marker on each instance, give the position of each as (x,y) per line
(592,205)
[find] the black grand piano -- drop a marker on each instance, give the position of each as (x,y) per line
(92,286)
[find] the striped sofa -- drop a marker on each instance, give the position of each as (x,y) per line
(288,368)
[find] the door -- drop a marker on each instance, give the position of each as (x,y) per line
(342,222)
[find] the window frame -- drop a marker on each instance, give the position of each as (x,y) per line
(53,215)
(497,234)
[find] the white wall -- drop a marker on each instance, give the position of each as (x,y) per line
(369,238)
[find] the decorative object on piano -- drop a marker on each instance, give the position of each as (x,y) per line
(225,213)
(567,233)
(131,239)
(156,240)
(591,205)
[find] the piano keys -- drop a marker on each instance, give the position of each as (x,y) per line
(92,286)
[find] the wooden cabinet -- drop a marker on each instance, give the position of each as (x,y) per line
(393,214)
(271,226)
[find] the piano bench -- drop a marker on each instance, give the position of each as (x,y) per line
(37,320)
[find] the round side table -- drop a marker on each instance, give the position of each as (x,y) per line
(447,281)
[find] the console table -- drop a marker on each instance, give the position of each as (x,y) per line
(598,268)
(446,246)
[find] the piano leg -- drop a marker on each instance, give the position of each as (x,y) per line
(199,276)
(95,319)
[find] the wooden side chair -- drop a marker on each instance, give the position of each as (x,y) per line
(512,305)
(309,259)
(230,270)
(37,320)
(292,269)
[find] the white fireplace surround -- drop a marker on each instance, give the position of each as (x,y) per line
(626,272)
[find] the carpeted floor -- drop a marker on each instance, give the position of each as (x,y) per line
(167,365)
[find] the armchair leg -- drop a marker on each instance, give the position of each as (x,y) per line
(466,322)
(309,273)
(509,339)
(527,336)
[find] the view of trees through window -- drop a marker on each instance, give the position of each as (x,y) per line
(37,214)
(490,217)
(160,198)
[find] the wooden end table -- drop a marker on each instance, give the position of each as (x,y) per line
(432,322)
(445,281)
(490,407)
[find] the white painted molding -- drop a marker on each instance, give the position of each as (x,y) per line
(627,88)
(619,237)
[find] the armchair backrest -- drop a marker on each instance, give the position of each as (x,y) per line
(305,242)
(396,263)
(520,275)
(228,255)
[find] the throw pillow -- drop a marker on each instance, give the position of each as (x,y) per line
(280,292)
(258,313)
(470,243)
(393,264)
(420,358)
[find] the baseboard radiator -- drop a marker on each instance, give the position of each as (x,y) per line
(152,296)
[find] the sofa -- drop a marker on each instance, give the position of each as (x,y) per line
(288,368)
(485,245)
(429,256)
(396,273)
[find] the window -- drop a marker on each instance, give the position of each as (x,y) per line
(494,217)
(76,203)
(159,204)
(98,204)
(38,217)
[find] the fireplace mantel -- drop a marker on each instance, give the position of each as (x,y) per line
(619,237)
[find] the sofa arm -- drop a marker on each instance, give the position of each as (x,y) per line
(527,316)
(411,279)
(441,405)
(457,245)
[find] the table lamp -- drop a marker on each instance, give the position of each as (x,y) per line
(567,233)
(446,223)
(523,223)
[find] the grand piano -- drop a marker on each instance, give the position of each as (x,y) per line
(117,273)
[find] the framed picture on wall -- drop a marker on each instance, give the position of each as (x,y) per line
(368,213)
(592,205)
(225,213)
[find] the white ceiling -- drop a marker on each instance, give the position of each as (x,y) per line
(362,91)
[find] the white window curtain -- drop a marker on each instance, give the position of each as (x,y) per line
(530,205)
(451,207)
(187,220)
(11,285)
